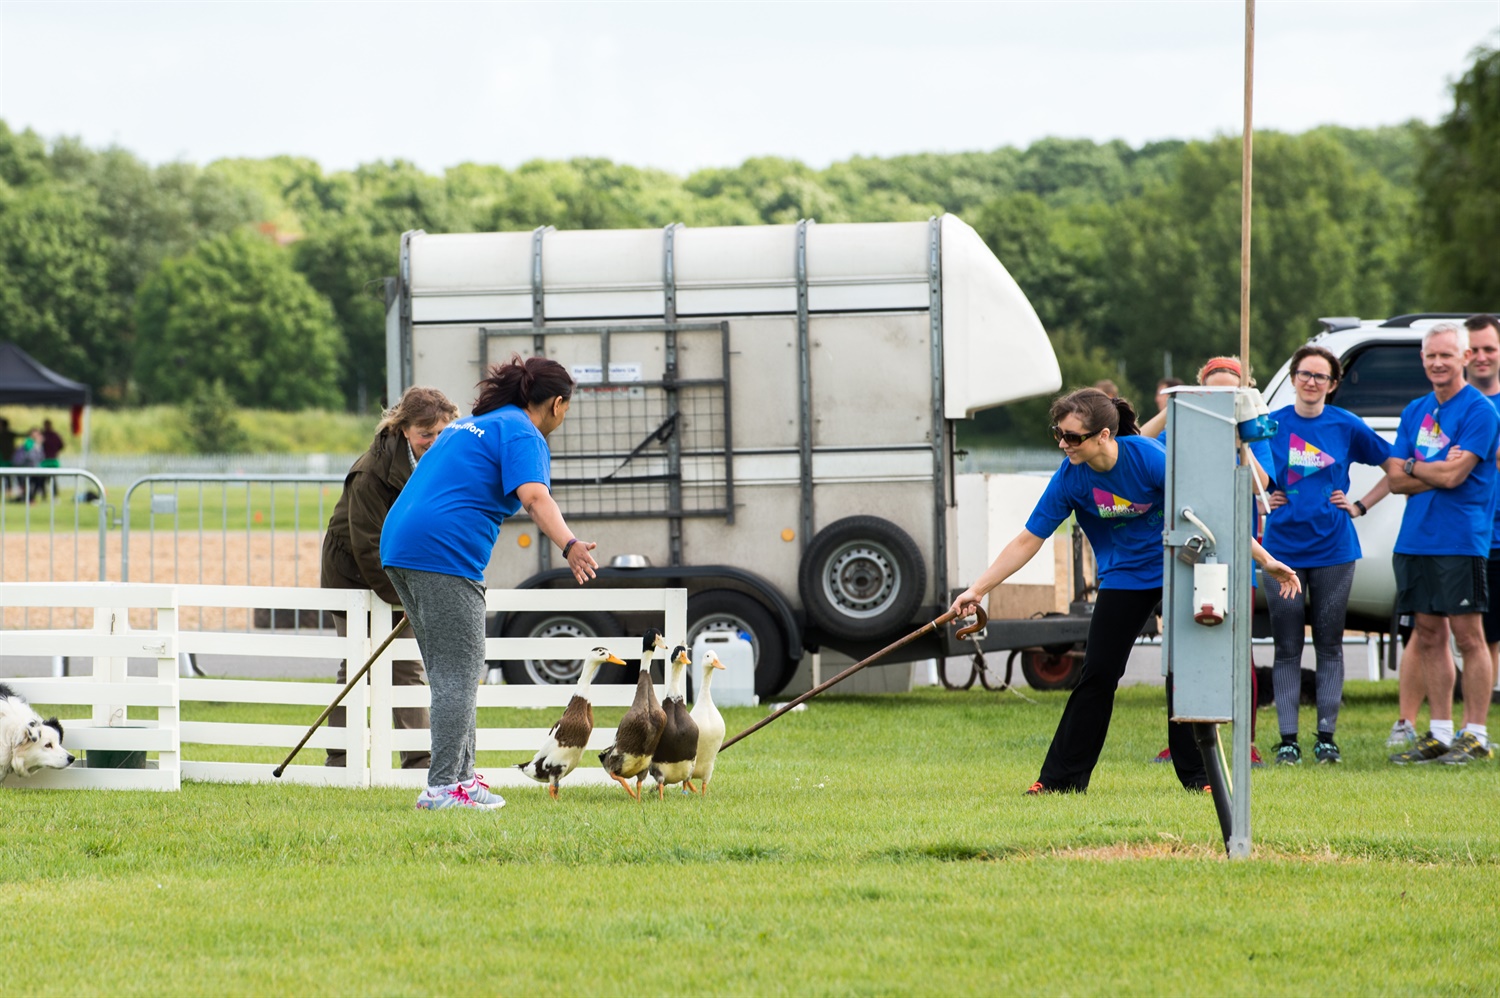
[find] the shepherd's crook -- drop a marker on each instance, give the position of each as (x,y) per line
(395,633)
(931,625)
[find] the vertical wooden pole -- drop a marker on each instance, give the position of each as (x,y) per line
(1247,146)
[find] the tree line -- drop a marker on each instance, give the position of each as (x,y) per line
(152,282)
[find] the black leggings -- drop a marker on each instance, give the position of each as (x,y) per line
(1326,592)
(1119,615)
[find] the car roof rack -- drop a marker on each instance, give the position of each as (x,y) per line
(1333,323)
(1405,321)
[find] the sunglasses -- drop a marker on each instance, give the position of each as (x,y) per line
(1069,437)
(1316,377)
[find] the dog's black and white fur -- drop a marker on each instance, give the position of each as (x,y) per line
(28,743)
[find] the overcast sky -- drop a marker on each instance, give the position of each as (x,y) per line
(687,85)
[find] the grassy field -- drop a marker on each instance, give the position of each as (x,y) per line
(162,429)
(866,846)
(210,505)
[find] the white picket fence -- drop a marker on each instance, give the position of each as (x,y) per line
(369,738)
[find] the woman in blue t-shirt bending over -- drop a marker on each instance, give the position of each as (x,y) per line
(1114,480)
(1311,528)
(439,535)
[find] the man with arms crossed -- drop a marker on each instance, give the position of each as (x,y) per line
(1484,374)
(1443,461)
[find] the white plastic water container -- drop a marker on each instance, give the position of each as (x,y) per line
(735,686)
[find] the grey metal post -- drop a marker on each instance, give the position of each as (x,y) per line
(804,377)
(1241,607)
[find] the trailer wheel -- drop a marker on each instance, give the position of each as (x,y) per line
(1051,668)
(559,672)
(728,610)
(862,577)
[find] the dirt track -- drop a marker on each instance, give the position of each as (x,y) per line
(213,559)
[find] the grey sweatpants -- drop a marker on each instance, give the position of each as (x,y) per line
(447,614)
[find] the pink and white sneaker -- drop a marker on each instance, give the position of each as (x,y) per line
(479,791)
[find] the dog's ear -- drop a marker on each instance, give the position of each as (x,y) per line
(53,722)
(33,730)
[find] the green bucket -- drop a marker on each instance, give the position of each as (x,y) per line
(117,758)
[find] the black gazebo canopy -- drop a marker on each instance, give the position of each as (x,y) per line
(23,381)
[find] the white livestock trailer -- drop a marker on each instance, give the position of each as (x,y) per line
(765,415)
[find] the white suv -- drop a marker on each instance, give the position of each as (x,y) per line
(1382,375)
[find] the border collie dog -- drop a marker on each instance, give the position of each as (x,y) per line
(28,743)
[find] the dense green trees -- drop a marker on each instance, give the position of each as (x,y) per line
(1459,182)
(149,282)
(234,310)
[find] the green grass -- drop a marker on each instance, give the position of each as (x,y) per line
(161,429)
(875,845)
(212,506)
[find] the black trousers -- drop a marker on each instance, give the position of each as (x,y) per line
(1119,616)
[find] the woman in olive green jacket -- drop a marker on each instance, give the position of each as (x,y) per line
(351,546)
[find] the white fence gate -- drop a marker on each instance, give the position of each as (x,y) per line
(369,738)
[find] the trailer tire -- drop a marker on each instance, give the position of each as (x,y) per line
(862,577)
(559,672)
(726,610)
(1051,668)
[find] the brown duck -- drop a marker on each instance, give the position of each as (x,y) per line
(672,762)
(640,729)
(568,738)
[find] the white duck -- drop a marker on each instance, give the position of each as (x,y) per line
(710,726)
(565,743)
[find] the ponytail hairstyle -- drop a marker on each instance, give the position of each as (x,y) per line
(1096,411)
(523,382)
(419,407)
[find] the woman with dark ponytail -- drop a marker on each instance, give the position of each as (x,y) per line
(1114,481)
(440,534)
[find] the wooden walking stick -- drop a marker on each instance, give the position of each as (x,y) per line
(931,625)
(395,633)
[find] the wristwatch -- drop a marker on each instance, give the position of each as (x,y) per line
(1410,466)
(1361,507)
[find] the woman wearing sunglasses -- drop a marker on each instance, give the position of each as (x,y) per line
(1113,480)
(1311,527)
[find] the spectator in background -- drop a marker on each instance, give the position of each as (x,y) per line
(52,445)
(351,546)
(1443,461)
(1108,387)
(7,448)
(1161,392)
(28,455)
(1311,528)
(1484,376)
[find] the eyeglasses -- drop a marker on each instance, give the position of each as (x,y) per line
(1069,437)
(1314,376)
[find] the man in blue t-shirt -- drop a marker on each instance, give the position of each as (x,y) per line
(1478,682)
(1443,460)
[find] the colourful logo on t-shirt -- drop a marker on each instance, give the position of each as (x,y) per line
(1304,459)
(1111,505)
(1431,440)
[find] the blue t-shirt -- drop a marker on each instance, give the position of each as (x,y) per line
(1120,511)
(1459,520)
(1312,459)
(1495,536)
(448,516)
